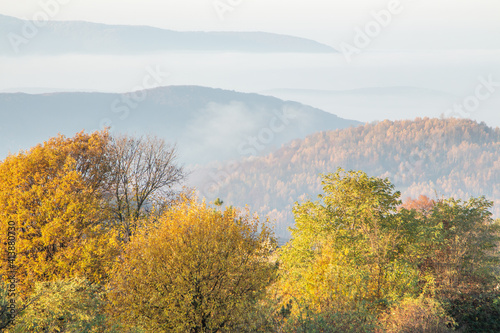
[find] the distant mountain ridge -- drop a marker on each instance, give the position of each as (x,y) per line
(376,103)
(448,157)
(61,37)
(208,124)
(394,90)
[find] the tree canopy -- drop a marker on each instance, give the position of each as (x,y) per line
(196,270)
(99,243)
(457,158)
(73,199)
(358,247)
(349,246)
(51,193)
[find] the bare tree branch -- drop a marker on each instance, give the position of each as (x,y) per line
(144,174)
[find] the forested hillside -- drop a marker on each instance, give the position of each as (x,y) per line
(436,157)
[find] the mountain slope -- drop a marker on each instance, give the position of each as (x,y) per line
(451,157)
(59,37)
(207,124)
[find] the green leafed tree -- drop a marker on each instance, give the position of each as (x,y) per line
(348,246)
(458,248)
(462,251)
(357,246)
(72,305)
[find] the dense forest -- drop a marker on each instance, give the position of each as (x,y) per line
(98,237)
(435,157)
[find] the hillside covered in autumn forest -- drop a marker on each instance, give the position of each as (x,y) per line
(436,157)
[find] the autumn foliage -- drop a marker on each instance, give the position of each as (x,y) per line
(106,243)
(51,192)
(196,270)
(358,249)
(454,157)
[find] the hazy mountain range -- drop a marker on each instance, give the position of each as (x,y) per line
(207,124)
(61,37)
(265,150)
(272,151)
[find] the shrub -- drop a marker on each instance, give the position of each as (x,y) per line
(476,312)
(359,319)
(420,315)
(72,305)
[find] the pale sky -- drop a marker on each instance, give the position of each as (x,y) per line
(419,24)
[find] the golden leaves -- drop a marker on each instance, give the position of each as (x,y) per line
(198,267)
(54,206)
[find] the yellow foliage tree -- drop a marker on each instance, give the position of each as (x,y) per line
(51,194)
(198,270)
(348,247)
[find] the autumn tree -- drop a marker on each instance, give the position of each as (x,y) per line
(457,249)
(458,243)
(424,260)
(422,204)
(197,269)
(143,173)
(71,199)
(349,246)
(52,196)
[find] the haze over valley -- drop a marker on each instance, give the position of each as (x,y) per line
(207,124)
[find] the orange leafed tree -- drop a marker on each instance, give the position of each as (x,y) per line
(422,204)
(52,193)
